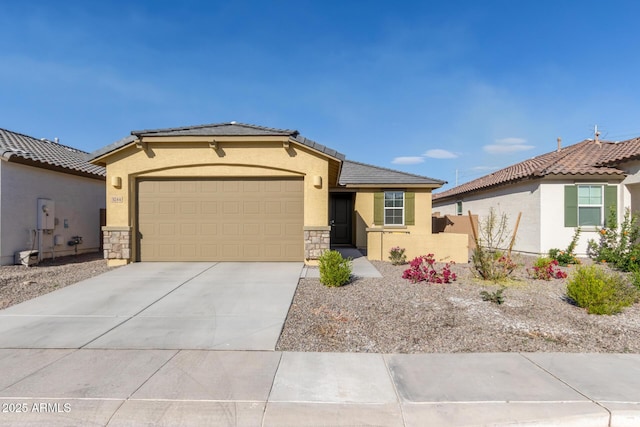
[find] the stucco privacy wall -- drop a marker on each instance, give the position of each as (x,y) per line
(234,157)
(509,200)
(78,201)
(416,239)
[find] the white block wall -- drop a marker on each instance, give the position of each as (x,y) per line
(78,200)
(510,200)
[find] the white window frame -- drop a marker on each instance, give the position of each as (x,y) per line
(601,205)
(384,201)
(459,207)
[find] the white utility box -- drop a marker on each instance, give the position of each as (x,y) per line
(27,258)
(46,214)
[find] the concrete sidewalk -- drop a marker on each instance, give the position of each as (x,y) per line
(259,388)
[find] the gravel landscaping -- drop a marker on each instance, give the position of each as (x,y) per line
(392,315)
(19,283)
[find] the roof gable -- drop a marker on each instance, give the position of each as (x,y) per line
(25,149)
(219,129)
(589,157)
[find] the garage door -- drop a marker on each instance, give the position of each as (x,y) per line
(220,220)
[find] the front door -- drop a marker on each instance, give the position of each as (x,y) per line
(340,216)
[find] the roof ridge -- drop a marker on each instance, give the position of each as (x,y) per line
(393,170)
(232,123)
(45,141)
(528,168)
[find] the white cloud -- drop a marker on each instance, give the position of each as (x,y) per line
(506,148)
(407,160)
(507,145)
(438,153)
(511,141)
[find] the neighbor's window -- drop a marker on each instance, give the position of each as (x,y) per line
(394,208)
(459,207)
(590,205)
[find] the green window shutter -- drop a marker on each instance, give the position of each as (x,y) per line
(378,209)
(610,201)
(570,206)
(409,208)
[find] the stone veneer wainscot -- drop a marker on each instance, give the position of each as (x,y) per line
(117,242)
(316,241)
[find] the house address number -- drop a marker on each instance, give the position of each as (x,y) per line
(117,199)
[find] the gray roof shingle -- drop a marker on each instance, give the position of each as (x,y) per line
(352,173)
(219,129)
(356,173)
(26,149)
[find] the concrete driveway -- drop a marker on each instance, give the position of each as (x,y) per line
(223,306)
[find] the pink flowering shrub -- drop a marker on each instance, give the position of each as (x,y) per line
(422,269)
(546,269)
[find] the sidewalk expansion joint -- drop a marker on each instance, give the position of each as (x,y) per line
(570,386)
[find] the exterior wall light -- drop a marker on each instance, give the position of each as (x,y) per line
(116,181)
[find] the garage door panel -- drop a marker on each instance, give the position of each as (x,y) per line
(209,229)
(272,208)
(221,220)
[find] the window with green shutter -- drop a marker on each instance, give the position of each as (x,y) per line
(394,208)
(587,205)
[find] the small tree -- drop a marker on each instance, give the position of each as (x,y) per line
(488,258)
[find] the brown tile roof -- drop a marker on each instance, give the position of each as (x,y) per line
(25,149)
(584,158)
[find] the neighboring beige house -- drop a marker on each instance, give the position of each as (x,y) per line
(556,192)
(238,192)
(49,194)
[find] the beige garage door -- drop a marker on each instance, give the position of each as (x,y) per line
(220,220)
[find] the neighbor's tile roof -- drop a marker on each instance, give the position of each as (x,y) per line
(26,149)
(219,129)
(584,158)
(355,173)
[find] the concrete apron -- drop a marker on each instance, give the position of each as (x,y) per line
(255,388)
(229,306)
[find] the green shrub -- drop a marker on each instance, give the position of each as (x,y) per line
(635,278)
(334,270)
(618,247)
(495,297)
(567,256)
(397,256)
(600,292)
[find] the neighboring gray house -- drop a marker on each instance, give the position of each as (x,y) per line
(49,194)
(556,192)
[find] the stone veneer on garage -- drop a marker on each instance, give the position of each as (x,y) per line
(117,242)
(316,241)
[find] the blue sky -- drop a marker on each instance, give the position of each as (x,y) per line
(421,86)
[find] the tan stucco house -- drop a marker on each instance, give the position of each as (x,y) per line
(49,196)
(239,192)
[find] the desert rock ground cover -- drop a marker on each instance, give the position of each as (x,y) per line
(392,315)
(19,283)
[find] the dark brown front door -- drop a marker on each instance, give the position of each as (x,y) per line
(340,216)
